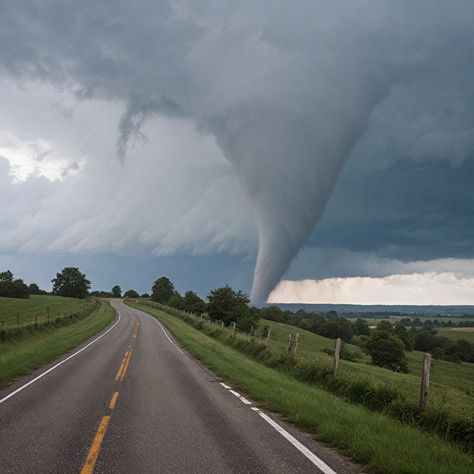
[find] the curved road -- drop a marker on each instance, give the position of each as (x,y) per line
(134,402)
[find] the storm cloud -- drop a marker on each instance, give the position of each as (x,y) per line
(277,94)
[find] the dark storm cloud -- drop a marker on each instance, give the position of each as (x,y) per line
(289,91)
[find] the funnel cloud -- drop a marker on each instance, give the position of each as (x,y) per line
(286,91)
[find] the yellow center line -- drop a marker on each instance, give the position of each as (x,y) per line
(113,401)
(91,459)
(126,365)
(122,365)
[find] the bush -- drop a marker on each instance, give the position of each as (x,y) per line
(387,350)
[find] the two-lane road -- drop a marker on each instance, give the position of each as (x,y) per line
(135,402)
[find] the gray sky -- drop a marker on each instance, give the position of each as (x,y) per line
(330,138)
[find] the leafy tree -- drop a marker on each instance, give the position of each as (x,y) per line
(71,282)
(145,295)
(11,288)
(131,294)
(229,306)
(337,327)
(193,303)
(34,289)
(116,291)
(407,336)
(361,327)
(162,290)
(387,350)
(176,301)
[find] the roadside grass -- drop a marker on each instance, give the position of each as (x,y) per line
(452,384)
(36,306)
(382,444)
(20,357)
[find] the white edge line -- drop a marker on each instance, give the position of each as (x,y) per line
(244,400)
(169,339)
(320,464)
(4,399)
(300,447)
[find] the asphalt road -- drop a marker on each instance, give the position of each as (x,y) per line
(134,402)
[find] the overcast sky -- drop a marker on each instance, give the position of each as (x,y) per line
(332,139)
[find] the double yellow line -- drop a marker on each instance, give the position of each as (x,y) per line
(124,365)
(92,455)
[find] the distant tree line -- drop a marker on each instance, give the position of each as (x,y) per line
(11,287)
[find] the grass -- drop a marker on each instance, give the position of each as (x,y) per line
(457,333)
(36,306)
(382,444)
(452,385)
(21,357)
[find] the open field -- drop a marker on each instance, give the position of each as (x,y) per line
(457,333)
(453,383)
(36,306)
(20,357)
(381,443)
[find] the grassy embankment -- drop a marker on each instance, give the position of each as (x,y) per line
(382,444)
(19,357)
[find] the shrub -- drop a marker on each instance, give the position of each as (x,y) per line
(387,350)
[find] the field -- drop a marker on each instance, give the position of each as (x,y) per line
(20,357)
(36,306)
(451,384)
(382,444)
(457,333)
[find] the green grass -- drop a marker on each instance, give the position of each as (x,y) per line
(21,357)
(36,305)
(457,333)
(452,385)
(383,445)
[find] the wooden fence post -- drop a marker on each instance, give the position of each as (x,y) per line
(289,344)
(337,352)
(268,336)
(295,345)
(222,324)
(425,381)
(234,328)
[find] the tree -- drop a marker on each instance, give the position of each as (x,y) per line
(11,288)
(34,289)
(176,301)
(71,282)
(407,337)
(162,290)
(117,292)
(145,295)
(229,306)
(387,350)
(362,327)
(131,294)
(193,304)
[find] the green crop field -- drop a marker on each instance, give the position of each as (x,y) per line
(452,385)
(36,306)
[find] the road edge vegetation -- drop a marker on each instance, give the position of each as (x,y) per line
(21,356)
(381,444)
